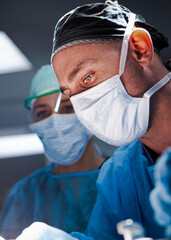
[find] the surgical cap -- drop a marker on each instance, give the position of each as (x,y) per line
(43,83)
(99,22)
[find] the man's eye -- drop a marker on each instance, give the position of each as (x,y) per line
(87,78)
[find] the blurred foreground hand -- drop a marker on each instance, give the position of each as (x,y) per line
(42,231)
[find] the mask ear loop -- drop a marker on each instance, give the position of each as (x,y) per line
(125,42)
(158,85)
(58,102)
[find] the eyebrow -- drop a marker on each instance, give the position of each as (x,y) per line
(79,66)
(39,106)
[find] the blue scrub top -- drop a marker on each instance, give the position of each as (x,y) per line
(124,184)
(63,201)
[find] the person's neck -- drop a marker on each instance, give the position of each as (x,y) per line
(158,136)
(89,161)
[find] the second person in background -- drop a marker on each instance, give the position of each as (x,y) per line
(62,194)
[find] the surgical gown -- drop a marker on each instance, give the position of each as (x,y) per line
(124,184)
(63,201)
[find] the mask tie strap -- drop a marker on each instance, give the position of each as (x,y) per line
(58,102)
(125,42)
(158,85)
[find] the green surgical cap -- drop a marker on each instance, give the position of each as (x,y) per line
(43,83)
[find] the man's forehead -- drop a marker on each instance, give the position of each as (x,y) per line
(72,61)
(82,49)
(82,63)
(76,56)
(69,62)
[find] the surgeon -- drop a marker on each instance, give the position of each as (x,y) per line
(107,60)
(62,194)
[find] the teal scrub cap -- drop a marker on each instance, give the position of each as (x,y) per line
(43,83)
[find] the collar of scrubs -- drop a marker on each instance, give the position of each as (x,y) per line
(150,163)
(145,153)
(52,165)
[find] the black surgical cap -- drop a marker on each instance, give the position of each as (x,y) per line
(99,21)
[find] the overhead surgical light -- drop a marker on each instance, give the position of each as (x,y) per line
(11,58)
(20,145)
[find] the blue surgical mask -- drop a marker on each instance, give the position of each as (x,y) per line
(63,136)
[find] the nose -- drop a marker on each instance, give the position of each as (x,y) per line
(67,92)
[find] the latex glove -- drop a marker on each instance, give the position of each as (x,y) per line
(42,231)
(160,196)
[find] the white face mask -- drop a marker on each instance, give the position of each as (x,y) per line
(63,136)
(109,112)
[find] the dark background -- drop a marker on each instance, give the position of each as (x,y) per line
(30,25)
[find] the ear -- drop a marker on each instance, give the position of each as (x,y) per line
(141,46)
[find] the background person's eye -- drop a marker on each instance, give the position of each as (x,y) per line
(42,115)
(66,109)
(87,78)
(69,109)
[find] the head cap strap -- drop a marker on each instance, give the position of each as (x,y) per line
(124,49)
